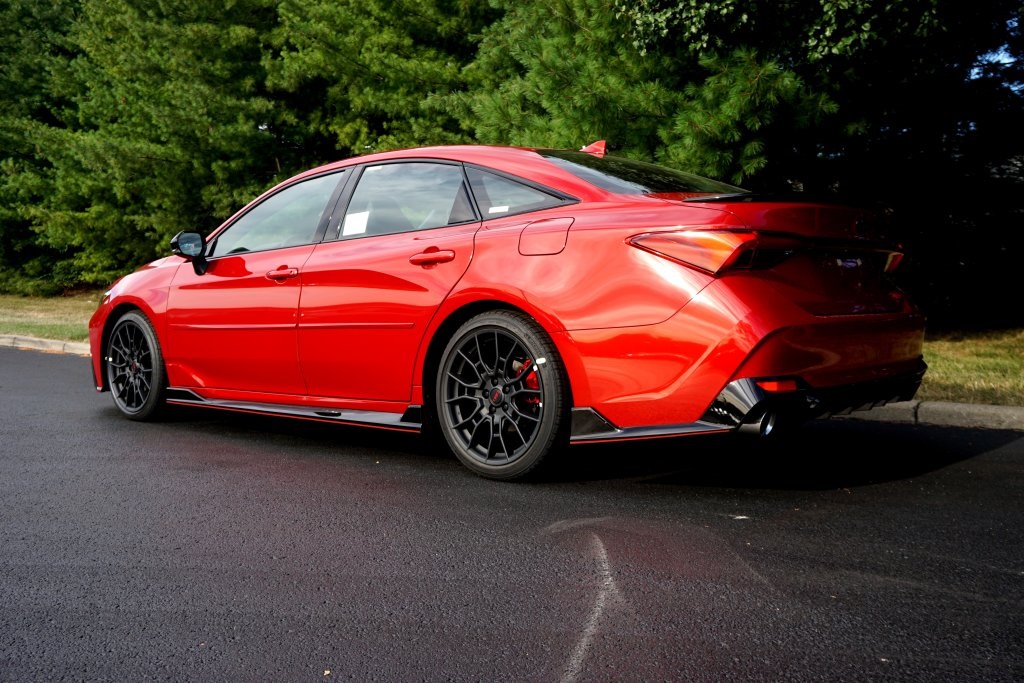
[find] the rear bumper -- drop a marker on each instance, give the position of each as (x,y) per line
(744,402)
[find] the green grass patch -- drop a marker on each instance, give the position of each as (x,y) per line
(983,367)
(64,317)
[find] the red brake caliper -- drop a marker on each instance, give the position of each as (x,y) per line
(530,381)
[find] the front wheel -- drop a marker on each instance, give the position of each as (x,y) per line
(135,367)
(500,395)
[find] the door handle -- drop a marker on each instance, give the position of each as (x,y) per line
(432,256)
(282,274)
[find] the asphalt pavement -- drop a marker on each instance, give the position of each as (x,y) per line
(936,413)
(214,546)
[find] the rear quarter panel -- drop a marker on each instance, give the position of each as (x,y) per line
(599,297)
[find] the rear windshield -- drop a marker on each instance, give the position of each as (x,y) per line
(626,176)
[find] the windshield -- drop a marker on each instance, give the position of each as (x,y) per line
(626,176)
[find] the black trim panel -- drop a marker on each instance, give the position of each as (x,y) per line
(364,418)
(588,426)
(743,402)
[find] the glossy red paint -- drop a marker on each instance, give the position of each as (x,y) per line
(235,326)
(660,305)
(364,309)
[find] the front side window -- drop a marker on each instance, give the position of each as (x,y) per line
(286,219)
(401,197)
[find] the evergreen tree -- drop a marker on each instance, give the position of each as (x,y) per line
(559,74)
(358,75)
(172,129)
(34,54)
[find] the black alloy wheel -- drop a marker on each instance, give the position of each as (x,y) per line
(135,367)
(500,395)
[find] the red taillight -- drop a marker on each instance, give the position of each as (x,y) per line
(712,251)
(716,251)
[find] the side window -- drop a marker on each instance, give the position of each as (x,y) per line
(407,196)
(500,196)
(286,219)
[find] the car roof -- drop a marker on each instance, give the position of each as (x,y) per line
(524,162)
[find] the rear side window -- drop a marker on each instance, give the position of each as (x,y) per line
(402,197)
(498,195)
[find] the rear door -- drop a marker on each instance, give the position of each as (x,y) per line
(371,288)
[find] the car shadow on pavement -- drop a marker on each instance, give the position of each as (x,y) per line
(822,455)
(825,454)
(279,430)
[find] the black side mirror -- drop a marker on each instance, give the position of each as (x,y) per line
(190,246)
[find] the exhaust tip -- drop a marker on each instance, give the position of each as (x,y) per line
(768,424)
(765,427)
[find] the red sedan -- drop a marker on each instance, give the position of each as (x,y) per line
(513,300)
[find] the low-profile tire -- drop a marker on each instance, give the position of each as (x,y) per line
(501,397)
(135,367)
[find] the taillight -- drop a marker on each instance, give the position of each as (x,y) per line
(716,251)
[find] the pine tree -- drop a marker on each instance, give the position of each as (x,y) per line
(34,54)
(360,75)
(166,128)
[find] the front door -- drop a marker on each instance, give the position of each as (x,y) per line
(234,327)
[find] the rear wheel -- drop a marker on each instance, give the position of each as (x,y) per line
(135,367)
(500,395)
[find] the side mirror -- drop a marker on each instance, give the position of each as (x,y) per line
(190,246)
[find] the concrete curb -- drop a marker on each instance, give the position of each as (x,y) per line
(937,413)
(945,414)
(45,345)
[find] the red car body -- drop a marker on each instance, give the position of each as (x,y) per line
(669,312)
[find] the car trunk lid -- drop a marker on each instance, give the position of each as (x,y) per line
(830,259)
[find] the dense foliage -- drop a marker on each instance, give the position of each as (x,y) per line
(124,121)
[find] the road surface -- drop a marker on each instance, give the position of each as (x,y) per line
(214,546)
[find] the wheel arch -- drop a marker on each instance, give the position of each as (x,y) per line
(116,313)
(575,379)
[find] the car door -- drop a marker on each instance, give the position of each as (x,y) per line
(370,289)
(234,326)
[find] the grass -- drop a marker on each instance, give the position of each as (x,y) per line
(64,317)
(976,367)
(982,367)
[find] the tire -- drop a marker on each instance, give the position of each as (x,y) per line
(500,396)
(135,367)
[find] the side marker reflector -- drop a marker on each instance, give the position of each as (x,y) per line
(775,386)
